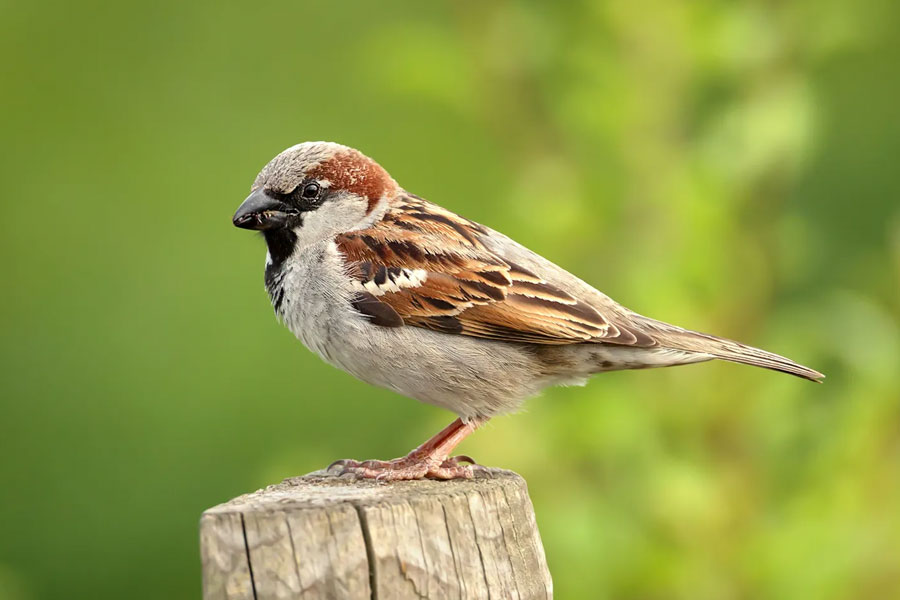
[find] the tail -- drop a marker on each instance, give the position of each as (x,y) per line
(724,349)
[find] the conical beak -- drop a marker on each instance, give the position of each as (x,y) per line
(260,211)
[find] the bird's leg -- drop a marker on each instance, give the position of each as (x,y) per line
(431,459)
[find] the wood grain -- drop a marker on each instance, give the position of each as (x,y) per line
(325,537)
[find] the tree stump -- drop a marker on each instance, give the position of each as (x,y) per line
(322,536)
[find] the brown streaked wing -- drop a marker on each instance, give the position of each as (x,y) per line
(467,289)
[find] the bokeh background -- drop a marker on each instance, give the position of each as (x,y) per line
(727,166)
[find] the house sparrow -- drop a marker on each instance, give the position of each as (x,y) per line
(409,296)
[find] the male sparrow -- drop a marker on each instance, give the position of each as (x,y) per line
(407,295)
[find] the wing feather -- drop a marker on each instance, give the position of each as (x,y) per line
(429,266)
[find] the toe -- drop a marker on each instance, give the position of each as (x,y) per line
(450,470)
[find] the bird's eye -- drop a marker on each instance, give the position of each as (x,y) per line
(310,191)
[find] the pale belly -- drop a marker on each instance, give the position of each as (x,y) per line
(469,376)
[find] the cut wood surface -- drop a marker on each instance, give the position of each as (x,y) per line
(322,536)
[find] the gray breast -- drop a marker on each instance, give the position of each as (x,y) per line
(467,375)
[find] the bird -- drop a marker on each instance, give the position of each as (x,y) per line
(409,296)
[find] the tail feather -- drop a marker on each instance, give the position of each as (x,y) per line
(725,349)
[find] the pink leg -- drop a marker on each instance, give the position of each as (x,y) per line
(431,459)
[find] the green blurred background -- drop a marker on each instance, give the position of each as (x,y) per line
(727,166)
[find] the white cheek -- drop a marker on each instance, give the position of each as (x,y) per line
(268,258)
(335,216)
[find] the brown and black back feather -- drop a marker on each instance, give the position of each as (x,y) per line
(468,289)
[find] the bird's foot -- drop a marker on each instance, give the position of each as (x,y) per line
(413,466)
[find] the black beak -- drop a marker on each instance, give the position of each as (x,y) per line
(260,211)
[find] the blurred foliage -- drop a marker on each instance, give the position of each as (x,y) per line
(727,166)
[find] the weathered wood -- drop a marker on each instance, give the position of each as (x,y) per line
(320,536)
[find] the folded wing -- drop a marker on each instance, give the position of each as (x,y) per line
(424,266)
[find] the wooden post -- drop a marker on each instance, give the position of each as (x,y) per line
(320,536)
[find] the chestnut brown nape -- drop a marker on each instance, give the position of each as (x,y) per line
(356,173)
(337,166)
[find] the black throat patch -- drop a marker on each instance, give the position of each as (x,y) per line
(281,244)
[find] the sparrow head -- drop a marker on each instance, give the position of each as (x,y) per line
(313,190)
